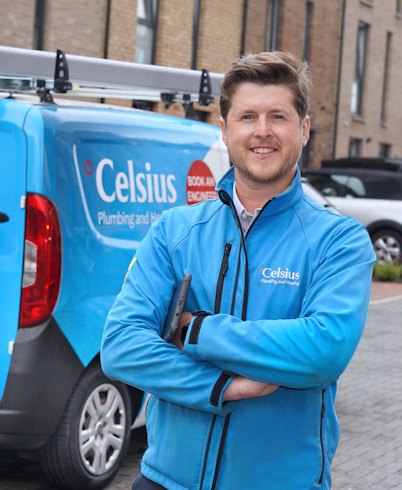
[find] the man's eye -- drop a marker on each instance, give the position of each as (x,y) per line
(278,116)
(248,116)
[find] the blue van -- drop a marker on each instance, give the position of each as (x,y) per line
(80,186)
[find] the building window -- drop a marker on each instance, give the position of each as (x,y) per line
(147,19)
(399,8)
(357,87)
(309,11)
(354,147)
(385,150)
(39,24)
(384,87)
(271,31)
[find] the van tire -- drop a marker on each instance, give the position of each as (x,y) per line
(84,431)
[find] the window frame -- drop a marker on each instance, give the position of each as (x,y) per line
(358,143)
(152,24)
(386,153)
(272,25)
(39,25)
(360,69)
(385,80)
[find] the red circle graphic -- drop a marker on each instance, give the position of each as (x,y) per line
(200,183)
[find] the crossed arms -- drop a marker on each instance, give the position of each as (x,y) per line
(306,352)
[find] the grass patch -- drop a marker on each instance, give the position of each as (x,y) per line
(387,272)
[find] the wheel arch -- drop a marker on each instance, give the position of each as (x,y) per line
(384,224)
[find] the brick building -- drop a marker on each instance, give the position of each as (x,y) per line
(211,33)
(370,101)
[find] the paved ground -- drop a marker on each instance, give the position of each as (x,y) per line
(385,289)
(17,473)
(369,406)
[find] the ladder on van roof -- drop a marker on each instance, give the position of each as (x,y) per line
(41,72)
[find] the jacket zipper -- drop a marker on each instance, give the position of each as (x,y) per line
(220,452)
(321,442)
(221,278)
(235,286)
(244,316)
(228,200)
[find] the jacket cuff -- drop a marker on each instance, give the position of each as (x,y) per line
(218,391)
(195,327)
(225,378)
(193,333)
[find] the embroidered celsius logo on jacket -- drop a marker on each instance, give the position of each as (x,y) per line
(279,276)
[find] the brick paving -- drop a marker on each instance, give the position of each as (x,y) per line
(381,289)
(369,406)
(17,473)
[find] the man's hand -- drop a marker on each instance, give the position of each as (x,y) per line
(185,318)
(241,388)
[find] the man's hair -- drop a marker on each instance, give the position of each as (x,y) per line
(273,68)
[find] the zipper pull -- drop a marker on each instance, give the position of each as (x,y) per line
(226,253)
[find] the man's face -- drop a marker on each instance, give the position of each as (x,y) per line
(263,133)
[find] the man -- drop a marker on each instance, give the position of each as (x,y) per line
(244,398)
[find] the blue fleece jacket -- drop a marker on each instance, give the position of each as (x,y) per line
(289,305)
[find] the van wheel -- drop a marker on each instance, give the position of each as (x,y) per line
(92,437)
(387,246)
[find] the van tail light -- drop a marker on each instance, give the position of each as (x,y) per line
(42,261)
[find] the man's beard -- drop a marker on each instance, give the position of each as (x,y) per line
(264,176)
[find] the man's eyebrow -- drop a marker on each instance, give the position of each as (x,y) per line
(247,109)
(280,109)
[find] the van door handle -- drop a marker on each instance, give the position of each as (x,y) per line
(3,218)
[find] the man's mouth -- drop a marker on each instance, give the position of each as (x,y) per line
(262,150)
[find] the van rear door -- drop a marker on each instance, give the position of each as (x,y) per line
(13,161)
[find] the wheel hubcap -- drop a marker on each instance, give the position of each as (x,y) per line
(102,428)
(387,249)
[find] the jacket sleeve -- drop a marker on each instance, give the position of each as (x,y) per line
(312,350)
(132,349)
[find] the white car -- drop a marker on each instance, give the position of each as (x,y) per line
(372,197)
(316,195)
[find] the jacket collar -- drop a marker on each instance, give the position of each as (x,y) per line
(279,203)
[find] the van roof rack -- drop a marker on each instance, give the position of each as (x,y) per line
(32,71)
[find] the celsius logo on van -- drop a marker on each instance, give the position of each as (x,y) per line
(279,276)
(136,188)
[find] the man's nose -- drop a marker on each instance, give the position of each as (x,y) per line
(263,128)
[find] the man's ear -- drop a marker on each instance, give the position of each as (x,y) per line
(305,130)
(223,128)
